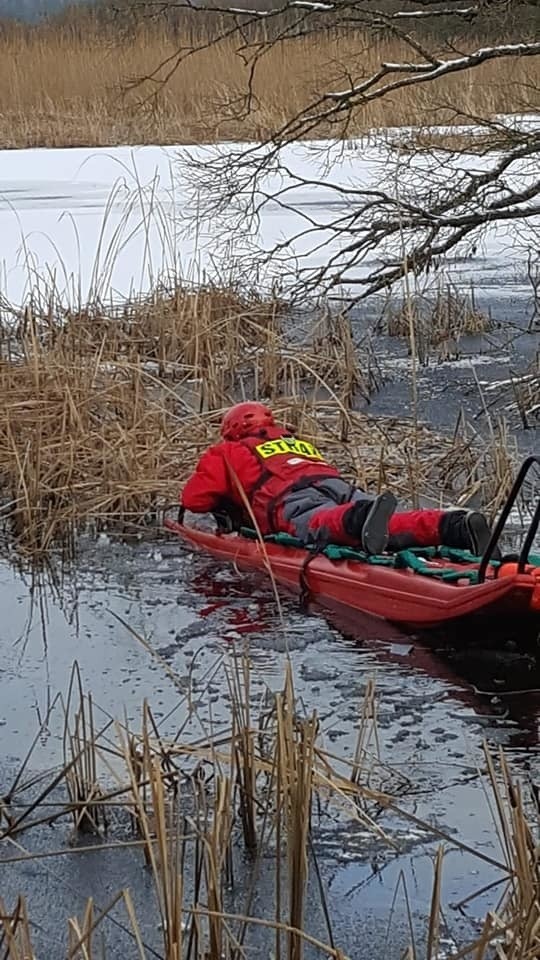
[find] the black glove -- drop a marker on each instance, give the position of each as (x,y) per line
(224,522)
(228,516)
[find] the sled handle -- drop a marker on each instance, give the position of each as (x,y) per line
(501,523)
(529,539)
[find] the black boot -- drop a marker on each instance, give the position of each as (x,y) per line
(367,522)
(466,530)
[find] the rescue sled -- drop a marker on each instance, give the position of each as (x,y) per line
(419,589)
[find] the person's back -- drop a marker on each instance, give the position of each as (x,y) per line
(255,464)
(282,481)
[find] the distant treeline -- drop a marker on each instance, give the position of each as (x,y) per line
(31,10)
(498,18)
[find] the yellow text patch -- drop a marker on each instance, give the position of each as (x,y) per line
(299,448)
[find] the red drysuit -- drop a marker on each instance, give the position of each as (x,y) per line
(289,486)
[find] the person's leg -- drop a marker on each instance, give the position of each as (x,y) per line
(294,514)
(464,529)
(335,512)
(414,528)
(468,530)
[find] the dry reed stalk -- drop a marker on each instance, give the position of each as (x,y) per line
(295,744)
(72,94)
(367,732)
(81,933)
(435,910)
(159,825)
(81,761)
(243,738)
(217,855)
(15,933)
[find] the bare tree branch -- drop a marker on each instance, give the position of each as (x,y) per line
(423,209)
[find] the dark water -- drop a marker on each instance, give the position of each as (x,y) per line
(194,613)
(474,384)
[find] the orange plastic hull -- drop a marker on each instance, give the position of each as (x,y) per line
(401,596)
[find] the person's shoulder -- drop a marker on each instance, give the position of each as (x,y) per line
(223,448)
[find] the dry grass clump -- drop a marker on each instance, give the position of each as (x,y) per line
(452,141)
(104,413)
(79,441)
(75,92)
(437,324)
(516,395)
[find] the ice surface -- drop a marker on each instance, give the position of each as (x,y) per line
(109,222)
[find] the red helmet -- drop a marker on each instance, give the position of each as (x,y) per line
(246,420)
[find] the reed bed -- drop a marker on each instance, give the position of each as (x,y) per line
(187,802)
(104,413)
(435,324)
(517,396)
(186,799)
(80,92)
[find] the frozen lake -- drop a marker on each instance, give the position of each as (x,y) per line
(97,223)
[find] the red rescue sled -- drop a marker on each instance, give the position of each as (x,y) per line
(403,596)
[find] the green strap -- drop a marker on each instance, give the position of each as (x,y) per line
(414,558)
(410,560)
(334,552)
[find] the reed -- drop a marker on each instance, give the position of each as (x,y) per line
(191,831)
(105,411)
(295,764)
(15,932)
(515,397)
(80,89)
(439,322)
(244,767)
(160,827)
(81,761)
(84,932)
(517,921)
(511,930)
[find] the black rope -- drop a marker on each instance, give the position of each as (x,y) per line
(305,592)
